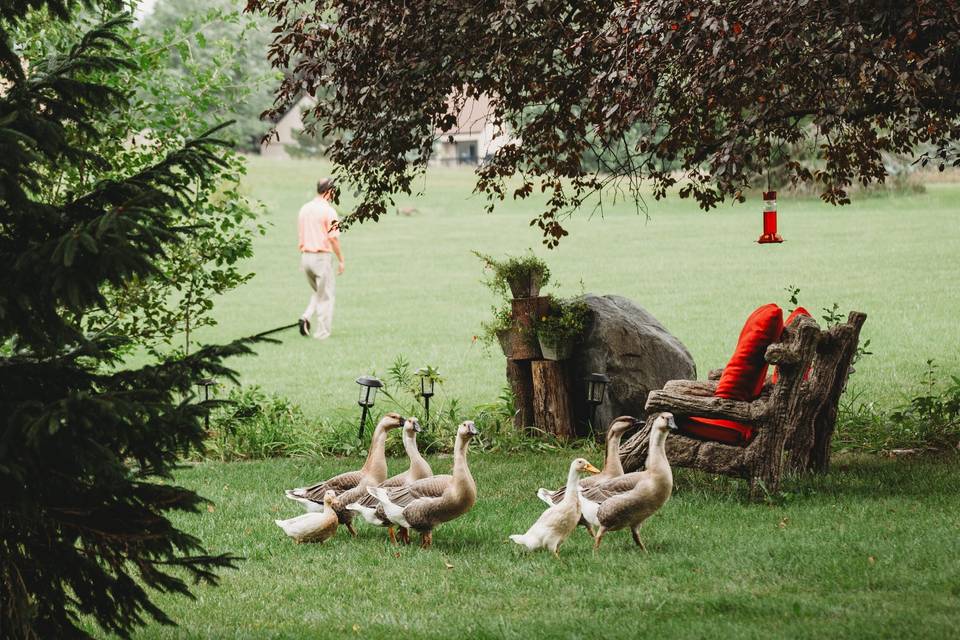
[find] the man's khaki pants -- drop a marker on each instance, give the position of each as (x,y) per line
(320,275)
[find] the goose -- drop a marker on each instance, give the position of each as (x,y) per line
(611,465)
(611,462)
(370,508)
(351,485)
(315,526)
(427,503)
(626,501)
(557,523)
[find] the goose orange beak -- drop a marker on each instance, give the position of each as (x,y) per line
(591,468)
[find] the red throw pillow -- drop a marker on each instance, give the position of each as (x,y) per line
(799,311)
(725,431)
(745,373)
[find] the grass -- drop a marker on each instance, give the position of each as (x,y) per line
(869,551)
(412,286)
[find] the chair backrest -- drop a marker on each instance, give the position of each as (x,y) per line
(801,406)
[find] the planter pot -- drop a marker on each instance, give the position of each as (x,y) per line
(561,351)
(526,287)
(505,338)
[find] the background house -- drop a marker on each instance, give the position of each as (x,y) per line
(474,138)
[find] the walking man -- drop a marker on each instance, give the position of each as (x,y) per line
(317,225)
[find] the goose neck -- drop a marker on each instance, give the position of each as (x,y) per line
(570,494)
(612,466)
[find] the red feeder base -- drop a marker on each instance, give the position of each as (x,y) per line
(768,238)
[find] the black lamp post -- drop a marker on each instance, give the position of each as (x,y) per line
(368,393)
(596,387)
(427,379)
(206,383)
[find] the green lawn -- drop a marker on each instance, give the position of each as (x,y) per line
(869,551)
(412,286)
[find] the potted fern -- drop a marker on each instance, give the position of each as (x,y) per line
(501,328)
(559,331)
(523,276)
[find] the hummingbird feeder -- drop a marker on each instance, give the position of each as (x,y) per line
(770,234)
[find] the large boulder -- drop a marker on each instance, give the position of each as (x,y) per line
(639,355)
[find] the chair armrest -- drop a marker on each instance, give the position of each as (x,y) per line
(705,407)
(692,387)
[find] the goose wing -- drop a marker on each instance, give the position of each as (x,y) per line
(607,489)
(432,487)
(390,483)
(339,484)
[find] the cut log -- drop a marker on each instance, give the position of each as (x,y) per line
(552,410)
(525,312)
(521,384)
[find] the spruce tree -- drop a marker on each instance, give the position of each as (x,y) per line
(88,444)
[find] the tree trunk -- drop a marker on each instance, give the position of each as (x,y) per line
(521,384)
(552,411)
(525,311)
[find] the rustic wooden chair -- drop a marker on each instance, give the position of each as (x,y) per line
(793,418)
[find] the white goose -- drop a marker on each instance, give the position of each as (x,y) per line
(557,523)
(314,526)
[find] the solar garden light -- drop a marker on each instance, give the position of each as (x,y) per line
(596,387)
(368,393)
(427,379)
(206,383)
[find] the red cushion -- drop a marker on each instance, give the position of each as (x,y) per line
(799,311)
(725,431)
(745,373)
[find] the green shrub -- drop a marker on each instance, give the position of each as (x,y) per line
(929,421)
(253,424)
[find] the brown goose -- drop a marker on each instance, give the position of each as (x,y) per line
(626,501)
(370,508)
(350,486)
(611,465)
(427,503)
(313,526)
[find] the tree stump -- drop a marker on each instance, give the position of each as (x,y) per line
(521,384)
(552,410)
(525,312)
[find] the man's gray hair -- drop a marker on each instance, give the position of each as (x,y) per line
(325,184)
